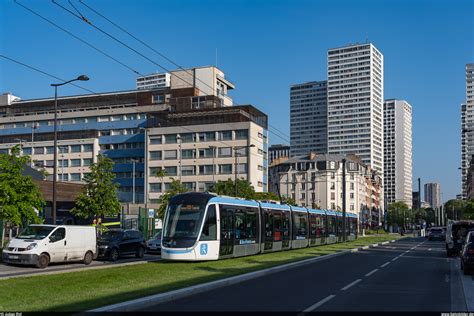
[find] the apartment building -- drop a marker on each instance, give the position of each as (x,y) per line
(278,152)
(433,194)
(398,152)
(308,118)
(467,128)
(355,103)
(201,147)
(315,180)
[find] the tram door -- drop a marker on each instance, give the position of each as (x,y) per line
(227,231)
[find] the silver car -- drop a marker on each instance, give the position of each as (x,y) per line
(154,244)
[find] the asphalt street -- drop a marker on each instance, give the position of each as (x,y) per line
(409,275)
(8,271)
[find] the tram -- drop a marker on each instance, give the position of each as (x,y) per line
(204,226)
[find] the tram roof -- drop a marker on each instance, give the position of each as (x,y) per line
(282,207)
(314,211)
(299,209)
(230,200)
(330,212)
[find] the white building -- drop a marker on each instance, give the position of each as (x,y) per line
(201,147)
(355,103)
(315,180)
(433,194)
(308,118)
(154,81)
(467,127)
(278,152)
(397,152)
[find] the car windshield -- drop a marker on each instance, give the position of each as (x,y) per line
(35,232)
(111,235)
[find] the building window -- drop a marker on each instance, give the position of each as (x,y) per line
(26,151)
(38,150)
(241,134)
(242,168)
(206,152)
(225,169)
(333,196)
(49,163)
(86,162)
(225,135)
(155,155)
(352,186)
(187,138)
(206,169)
(171,154)
(171,171)
(333,186)
(155,140)
(63,177)
(75,163)
(87,148)
(225,152)
(188,170)
(155,187)
(158,98)
(63,163)
(351,195)
(50,150)
(189,186)
(188,153)
(75,177)
(171,139)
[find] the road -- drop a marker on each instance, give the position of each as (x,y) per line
(8,271)
(408,275)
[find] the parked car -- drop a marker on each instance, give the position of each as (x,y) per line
(467,253)
(456,233)
(154,244)
(436,233)
(115,243)
(41,244)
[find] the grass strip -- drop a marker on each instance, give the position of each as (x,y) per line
(84,290)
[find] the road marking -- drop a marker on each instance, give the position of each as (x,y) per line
(429,249)
(321,302)
(395,258)
(351,284)
(385,264)
(371,272)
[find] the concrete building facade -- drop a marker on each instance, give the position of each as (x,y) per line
(355,103)
(467,128)
(433,194)
(308,118)
(278,152)
(398,152)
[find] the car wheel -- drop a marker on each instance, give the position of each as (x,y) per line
(88,258)
(140,252)
(114,254)
(43,261)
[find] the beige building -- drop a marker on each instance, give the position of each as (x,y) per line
(201,147)
(315,180)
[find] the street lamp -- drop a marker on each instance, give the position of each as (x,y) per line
(236,148)
(55,172)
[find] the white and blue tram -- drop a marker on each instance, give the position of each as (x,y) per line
(203,226)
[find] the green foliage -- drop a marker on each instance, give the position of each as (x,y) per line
(244,189)
(176,187)
(289,201)
(399,213)
(266,196)
(98,197)
(19,196)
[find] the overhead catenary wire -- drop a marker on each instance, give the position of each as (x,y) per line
(84,19)
(78,38)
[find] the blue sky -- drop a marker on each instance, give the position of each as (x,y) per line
(263,47)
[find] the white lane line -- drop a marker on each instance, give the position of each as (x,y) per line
(395,258)
(385,264)
(371,272)
(321,302)
(429,249)
(351,284)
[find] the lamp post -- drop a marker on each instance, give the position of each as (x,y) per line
(344,199)
(55,172)
(133,180)
(178,138)
(145,175)
(33,127)
(236,148)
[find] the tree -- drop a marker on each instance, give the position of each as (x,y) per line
(99,196)
(266,196)
(176,187)
(244,189)
(398,212)
(19,196)
(289,201)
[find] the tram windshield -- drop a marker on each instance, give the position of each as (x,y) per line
(182,221)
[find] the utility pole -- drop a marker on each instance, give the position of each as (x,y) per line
(344,200)
(419,194)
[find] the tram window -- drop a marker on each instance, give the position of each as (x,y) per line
(277,226)
(299,225)
(239,225)
(251,223)
(209,231)
(331,224)
(313,220)
(286,226)
(268,224)
(321,226)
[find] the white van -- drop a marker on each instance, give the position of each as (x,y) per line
(41,244)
